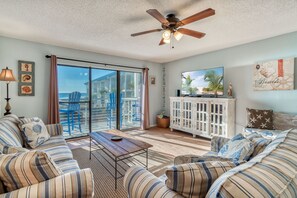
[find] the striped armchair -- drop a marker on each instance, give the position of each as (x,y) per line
(271,173)
(71,180)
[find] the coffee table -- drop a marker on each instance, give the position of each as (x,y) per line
(118,151)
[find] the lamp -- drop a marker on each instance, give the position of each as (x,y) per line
(7,75)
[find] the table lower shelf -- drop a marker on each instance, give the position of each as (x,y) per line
(117,166)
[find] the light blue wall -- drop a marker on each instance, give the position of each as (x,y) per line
(238,62)
(12,50)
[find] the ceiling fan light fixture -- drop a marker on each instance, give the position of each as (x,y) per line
(166,34)
(167,41)
(177,35)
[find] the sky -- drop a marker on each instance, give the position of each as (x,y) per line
(73,78)
(198,76)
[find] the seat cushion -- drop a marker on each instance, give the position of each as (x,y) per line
(25,169)
(194,179)
(68,166)
(238,148)
(53,142)
(59,153)
(10,133)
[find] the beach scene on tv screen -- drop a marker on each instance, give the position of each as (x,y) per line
(203,82)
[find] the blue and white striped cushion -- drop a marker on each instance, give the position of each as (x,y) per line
(24,169)
(53,142)
(68,166)
(194,179)
(9,131)
(59,153)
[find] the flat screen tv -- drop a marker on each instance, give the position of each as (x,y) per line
(203,82)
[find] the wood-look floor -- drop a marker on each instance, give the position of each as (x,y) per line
(163,140)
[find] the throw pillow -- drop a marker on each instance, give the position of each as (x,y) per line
(195,179)
(25,169)
(261,119)
(238,148)
(9,131)
(259,145)
(35,132)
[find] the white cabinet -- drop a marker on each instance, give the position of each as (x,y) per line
(203,116)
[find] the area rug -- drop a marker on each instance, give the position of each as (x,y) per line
(104,181)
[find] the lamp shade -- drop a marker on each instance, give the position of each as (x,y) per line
(177,35)
(166,34)
(166,40)
(7,75)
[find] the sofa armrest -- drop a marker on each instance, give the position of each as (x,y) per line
(141,183)
(74,184)
(54,129)
(217,142)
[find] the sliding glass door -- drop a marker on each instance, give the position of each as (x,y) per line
(96,99)
(73,100)
(104,99)
(130,90)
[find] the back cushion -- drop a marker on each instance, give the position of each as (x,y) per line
(9,131)
(195,179)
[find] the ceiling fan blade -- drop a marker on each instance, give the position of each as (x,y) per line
(146,32)
(191,32)
(157,15)
(162,42)
(198,16)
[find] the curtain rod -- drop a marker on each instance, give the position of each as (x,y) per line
(93,62)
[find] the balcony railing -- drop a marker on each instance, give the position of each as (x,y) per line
(130,116)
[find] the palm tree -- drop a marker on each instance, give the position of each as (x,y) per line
(187,85)
(214,81)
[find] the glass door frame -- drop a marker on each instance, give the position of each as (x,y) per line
(118,92)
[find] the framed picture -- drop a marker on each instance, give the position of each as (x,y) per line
(153,80)
(274,75)
(26,85)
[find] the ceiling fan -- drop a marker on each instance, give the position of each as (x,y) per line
(172,25)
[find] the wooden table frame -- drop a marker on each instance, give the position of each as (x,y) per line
(114,151)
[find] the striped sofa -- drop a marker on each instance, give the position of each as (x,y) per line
(72,182)
(272,173)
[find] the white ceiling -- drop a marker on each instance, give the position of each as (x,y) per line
(104,26)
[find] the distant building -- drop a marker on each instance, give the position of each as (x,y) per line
(101,87)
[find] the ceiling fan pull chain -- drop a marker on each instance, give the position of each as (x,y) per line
(171,42)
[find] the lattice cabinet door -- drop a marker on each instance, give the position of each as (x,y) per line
(187,116)
(175,113)
(217,119)
(200,111)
